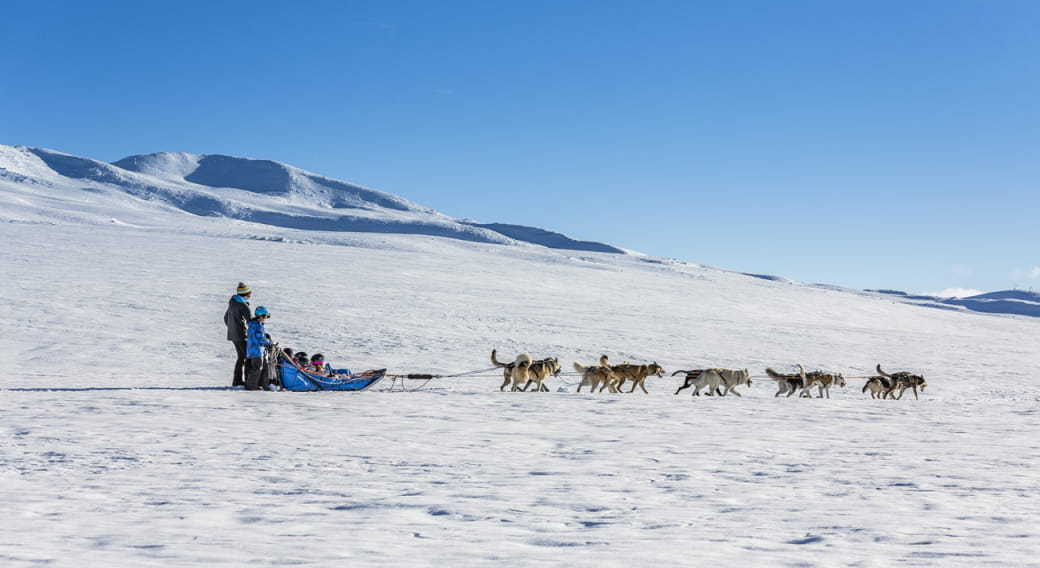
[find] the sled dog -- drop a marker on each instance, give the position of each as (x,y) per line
(788,384)
(691,377)
(507,369)
(877,386)
(596,377)
(733,378)
(727,379)
(823,382)
(517,372)
(706,378)
(635,373)
(901,381)
(539,371)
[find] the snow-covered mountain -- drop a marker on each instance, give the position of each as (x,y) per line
(256,191)
(1019,302)
(158,189)
(125,446)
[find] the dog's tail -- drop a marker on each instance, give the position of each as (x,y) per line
(524,360)
(882,373)
(866,386)
(603,361)
(694,373)
(801,371)
(774,374)
(579,367)
(495,361)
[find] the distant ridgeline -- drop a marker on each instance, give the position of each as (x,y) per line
(260,191)
(545,238)
(1018,302)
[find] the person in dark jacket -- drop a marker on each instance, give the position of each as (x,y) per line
(236,318)
(257,343)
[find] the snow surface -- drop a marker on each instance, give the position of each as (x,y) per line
(125,448)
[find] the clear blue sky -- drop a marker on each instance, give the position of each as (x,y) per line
(871,144)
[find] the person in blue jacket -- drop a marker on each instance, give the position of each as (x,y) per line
(257,344)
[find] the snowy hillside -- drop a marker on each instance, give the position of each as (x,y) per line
(256,191)
(1018,302)
(125,447)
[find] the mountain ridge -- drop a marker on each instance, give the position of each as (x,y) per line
(275,194)
(265,192)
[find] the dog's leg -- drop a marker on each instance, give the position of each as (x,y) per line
(642,385)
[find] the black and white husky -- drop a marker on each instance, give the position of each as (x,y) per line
(788,384)
(901,381)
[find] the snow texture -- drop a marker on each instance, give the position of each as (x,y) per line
(125,447)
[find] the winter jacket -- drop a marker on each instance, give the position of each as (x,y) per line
(237,317)
(256,339)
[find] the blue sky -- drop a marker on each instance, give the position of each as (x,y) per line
(871,144)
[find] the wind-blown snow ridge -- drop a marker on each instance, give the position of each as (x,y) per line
(256,191)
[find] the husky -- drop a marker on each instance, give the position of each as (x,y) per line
(732,379)
(691,377)
(593,377)
(507,369)
(877,386)
(823,382)
(788,384)
(901,381)
(539,371)
(517,372)
(727,379)
(701,378)
(635,373)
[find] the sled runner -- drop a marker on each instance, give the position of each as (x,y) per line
(297,380)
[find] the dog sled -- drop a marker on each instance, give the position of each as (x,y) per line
(296,379)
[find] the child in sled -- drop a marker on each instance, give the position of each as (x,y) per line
(324,369)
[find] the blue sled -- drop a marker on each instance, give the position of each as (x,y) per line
(296,380)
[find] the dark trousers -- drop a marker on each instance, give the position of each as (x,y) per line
(239,378)
(256,374)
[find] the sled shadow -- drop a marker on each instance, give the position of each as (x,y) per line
(103,389)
